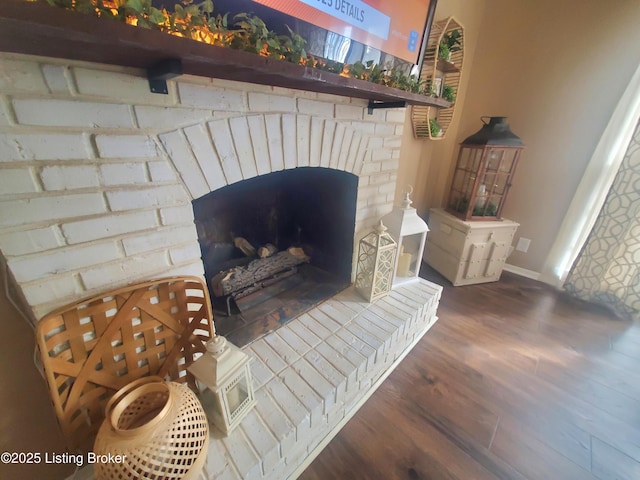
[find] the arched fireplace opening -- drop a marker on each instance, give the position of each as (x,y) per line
(274,246)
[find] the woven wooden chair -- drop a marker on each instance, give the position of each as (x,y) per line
(92,348)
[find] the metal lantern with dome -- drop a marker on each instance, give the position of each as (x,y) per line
(410,232)
(224,371)
(484,171)
(376,257)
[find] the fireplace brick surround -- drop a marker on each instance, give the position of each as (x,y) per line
(98,173)
(97,176)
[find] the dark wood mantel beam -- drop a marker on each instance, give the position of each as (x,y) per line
(36,28)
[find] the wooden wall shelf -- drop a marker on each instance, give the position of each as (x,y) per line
(442,65)
(446,72)
(36,28)
(447,67)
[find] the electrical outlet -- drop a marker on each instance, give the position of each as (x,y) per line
(523,244)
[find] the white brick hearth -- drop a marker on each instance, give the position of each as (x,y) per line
(313,373)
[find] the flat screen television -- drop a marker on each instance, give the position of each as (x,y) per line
(391,33)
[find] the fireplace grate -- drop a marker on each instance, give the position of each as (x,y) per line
(260,312)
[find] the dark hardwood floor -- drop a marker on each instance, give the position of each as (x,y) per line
(515,381)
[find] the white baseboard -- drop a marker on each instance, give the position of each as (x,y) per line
(523,272)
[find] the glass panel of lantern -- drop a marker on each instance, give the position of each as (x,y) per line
(486,163)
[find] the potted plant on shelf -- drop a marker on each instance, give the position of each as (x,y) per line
(435,129)
(448,93)
(450,43)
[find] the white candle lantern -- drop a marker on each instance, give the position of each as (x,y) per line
(376,259)
(410,232)
(224,371)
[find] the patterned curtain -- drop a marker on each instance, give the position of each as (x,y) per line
(607,270)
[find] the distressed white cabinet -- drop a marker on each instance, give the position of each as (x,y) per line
(468,252)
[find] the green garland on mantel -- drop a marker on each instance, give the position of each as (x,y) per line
(248,32)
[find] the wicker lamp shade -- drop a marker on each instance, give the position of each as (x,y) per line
(152,429)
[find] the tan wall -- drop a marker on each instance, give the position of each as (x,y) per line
(557,70)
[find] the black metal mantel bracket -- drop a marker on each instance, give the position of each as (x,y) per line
(162,71)
(373,105)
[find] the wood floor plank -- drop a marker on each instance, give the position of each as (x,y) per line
(620,405)
(601,369)
(553,397)
(627,347)
(419,437)
(551,426)
(533,457)
(610,464)
(579,411)
(627,335)
(516,380)
(583,388)
(443,398)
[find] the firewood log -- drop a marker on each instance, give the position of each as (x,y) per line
(235,279)
(244,245)
(296,252)
(267,250)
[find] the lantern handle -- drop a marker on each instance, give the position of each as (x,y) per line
(380,228)
(217,345)
(406,202)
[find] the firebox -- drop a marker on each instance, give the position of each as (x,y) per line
(274,246)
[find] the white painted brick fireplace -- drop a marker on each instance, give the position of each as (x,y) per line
(97,176)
